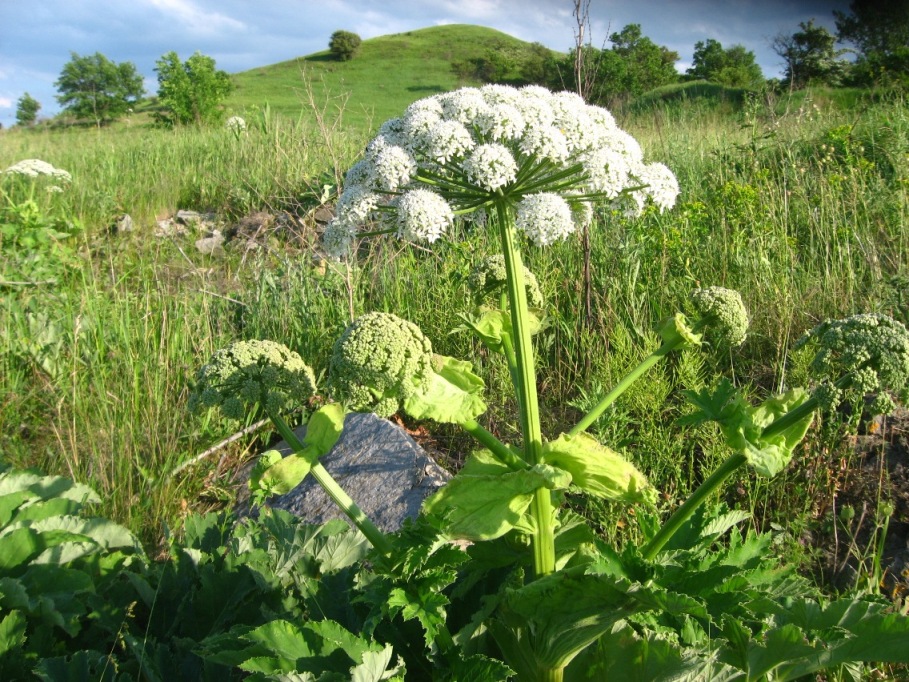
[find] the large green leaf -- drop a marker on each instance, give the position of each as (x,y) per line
(18,547)
(375,667)
(564,612)
(485,506)
(12,631)
(324,428)
(597,470)
(106,533)
(768,456)
(453,394)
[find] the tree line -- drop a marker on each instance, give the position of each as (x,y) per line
(95,88)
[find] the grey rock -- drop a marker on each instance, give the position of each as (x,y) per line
(381,467)
(168,228)
(188,217)
(124,224)
(213,245)
(323,214)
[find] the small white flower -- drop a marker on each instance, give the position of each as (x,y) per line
(463,105)
(53,189)
(423,216)
(546,142)
(501,122)
(357,204)
(607,170)
(336,238)
(394,130)
(544,218)
(491,166)
(359,174)
(393,168)
(447,140)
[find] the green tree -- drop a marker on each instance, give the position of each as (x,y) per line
(93,87)
(734,67)
(880,32)
(27,110)
(646,64)
(191,91)
(810,56)
(344,44)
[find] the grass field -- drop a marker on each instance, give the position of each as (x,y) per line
(800,204)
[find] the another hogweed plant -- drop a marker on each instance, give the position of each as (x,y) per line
(537,594)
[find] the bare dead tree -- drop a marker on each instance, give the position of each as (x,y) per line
(585,77)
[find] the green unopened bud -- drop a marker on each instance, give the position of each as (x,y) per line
(676,331)
(723,315)
(253,372)
(489,277)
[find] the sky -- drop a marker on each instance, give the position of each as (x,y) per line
(37,37)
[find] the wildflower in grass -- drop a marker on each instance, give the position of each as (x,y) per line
(33,168)
(253,372)
(235,124)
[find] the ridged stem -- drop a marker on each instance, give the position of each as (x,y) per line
(376,537)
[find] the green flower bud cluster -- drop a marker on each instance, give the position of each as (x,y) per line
(723,314)
(379,361)
(253,372)
(488,279)
(872,349)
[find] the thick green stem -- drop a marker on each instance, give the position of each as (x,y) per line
(683,513)
(541,508)
(623,385)
(376,538)
(502,452)
(551,674)
(726,469)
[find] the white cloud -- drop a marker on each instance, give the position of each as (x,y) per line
(6,103)
(196,19)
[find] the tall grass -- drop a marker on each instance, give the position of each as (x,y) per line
(803,209)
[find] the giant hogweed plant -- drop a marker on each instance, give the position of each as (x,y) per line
(555,602)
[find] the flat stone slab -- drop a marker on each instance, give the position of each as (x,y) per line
(376,462)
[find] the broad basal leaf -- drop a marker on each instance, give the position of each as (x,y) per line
(485,506)
(453,394)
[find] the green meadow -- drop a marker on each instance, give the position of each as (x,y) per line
(801,203)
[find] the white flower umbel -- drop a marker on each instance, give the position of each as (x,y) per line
(235,124)
(488,149)
(491,166)
(423,216)
(34,168)
(545,218)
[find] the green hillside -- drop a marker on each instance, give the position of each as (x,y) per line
(387,74)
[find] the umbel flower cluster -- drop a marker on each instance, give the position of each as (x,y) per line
(34,168)
(253,372)
(488,279)
(379,361)
(871,349)
(548,156)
